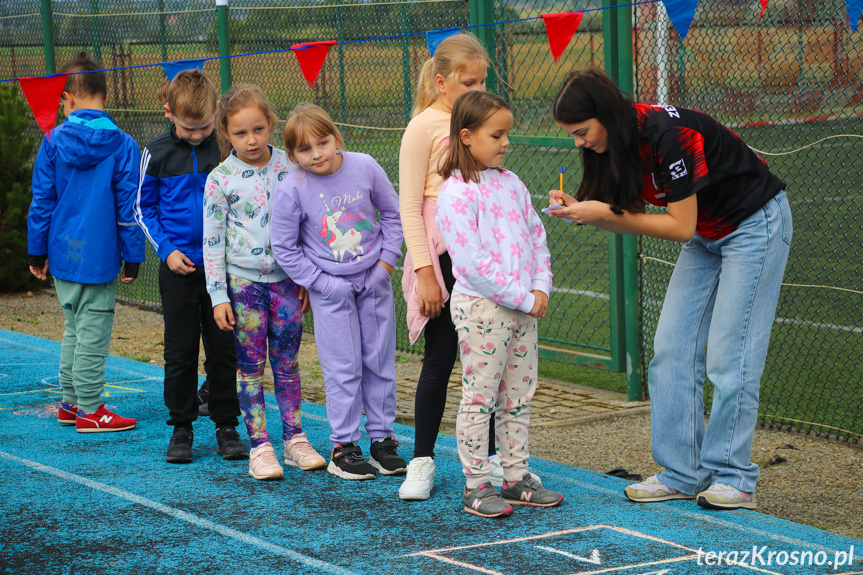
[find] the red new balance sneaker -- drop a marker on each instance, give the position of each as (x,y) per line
(102,420)
(66,414)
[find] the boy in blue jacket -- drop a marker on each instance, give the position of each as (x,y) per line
(170,210)
(81,221)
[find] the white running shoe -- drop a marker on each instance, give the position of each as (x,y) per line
(420,480)
(263,463)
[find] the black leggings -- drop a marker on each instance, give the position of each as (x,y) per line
(441,351)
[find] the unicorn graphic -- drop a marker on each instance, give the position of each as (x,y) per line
(340,241)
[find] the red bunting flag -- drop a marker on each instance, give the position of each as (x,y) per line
(43,94)
(311,58)
(560,27)
(763,8)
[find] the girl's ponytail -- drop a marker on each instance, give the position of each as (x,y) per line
(451,58)
(426,90)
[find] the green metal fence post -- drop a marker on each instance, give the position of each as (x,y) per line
(94,28)
(224,44)
(48,37)
(609,33)
(482,12)
(617,290)
(630,243)
(163,32)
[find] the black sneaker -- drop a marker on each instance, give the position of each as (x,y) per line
(204,399)
(385,457)
(231,447)
(180,447)
(347,462)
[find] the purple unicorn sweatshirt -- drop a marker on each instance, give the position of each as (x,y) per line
(328,225)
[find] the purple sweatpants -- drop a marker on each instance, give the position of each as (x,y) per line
(355,332)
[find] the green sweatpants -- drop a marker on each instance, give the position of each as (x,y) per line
(89,311)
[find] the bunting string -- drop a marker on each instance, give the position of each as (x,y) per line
(377,39)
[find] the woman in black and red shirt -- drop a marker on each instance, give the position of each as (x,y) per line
(732,214)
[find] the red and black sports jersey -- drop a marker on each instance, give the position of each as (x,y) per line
(685,152)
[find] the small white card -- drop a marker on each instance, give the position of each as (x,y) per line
(550,208)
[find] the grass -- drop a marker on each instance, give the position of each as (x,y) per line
(589,376)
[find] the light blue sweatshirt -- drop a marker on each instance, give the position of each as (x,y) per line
(237,215)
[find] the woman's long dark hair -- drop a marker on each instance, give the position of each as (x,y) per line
(615,176)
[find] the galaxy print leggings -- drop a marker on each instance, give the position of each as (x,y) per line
(268,318)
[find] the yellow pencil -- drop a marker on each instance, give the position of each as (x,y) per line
(561,178)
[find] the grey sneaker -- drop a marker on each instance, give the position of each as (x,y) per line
(652,490)
(529,491)
(485,501)
(721,496)
(495,470)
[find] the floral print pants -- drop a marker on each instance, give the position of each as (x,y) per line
(499,359)
(268,319)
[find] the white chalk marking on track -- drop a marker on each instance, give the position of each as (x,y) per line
(183,516)
(790,321)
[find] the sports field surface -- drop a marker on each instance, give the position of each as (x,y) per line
(108,503)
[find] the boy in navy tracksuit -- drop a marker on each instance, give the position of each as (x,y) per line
(169,209)
(80,220)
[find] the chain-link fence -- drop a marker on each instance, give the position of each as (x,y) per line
(783,82)
(786,83)
(366,86)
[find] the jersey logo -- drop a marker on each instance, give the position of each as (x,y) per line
(677,170)
(672,111)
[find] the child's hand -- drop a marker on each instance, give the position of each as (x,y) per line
(428,293)
(540,304)
(41,273)
(179,264)
(224,317)
(386,266)
(129,272)
(304,297)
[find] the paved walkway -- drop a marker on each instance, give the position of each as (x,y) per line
(556,403)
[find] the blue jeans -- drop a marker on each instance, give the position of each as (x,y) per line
(723,293)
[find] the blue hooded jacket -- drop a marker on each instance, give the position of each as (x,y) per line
(84,184)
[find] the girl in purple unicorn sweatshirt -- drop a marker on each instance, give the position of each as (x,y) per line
(336,231)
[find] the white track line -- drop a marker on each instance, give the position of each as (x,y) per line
(183,516)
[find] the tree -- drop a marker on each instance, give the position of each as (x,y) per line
(16,172)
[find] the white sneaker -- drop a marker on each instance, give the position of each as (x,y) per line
(496,471)
(722,496)
(300,453)
(652,490)
(420,479)
(263,463)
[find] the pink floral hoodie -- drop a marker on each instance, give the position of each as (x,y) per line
(495,239)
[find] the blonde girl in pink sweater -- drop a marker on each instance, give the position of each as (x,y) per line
(459,66)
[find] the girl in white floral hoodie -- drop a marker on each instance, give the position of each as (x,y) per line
(502,271)
(251,294)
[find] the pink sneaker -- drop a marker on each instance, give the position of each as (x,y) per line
(300,453)
(102,420)
(263,463)
(67,413)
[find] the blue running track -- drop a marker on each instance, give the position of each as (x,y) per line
(109,504)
